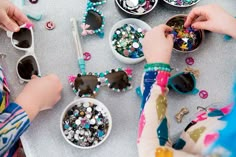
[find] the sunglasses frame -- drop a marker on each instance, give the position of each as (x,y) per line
(101,78)
(91,6)
(28,51)
(171,85)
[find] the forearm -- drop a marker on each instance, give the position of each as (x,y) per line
(13,123)
(231,30)
(25,102)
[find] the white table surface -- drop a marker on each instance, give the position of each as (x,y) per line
(55,51)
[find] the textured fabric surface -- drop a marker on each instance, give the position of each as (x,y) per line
(55,51)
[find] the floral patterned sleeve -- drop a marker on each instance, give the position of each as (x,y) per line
(153,138)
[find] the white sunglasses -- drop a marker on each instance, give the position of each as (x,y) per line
(27,65)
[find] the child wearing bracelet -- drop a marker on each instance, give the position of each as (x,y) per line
(153,139)
(39,94)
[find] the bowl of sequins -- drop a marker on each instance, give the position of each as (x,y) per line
(188,39)
(85,123)
(125,40)
(181,3)
(136,8)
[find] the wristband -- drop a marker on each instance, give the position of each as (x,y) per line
(157,66)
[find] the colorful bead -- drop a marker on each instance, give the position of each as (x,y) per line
(50,25)
(87,56)
(203,94)
(189,60)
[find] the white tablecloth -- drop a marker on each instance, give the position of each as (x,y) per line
(56,53)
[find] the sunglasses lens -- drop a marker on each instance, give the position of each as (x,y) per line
(85,84)
(118,80)
(27,67)
(93,19)
(23,38)
(184,82)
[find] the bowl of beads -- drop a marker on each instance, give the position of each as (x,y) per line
(125,40)
(181,3)
(136,8)
(85,123)
(186,40)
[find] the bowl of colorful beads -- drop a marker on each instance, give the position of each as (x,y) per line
(125,40)
(186,40)
(136,8)
(181,3)
(85,123)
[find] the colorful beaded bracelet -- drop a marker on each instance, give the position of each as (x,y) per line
(157,66)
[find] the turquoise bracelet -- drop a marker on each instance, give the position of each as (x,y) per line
(157,66)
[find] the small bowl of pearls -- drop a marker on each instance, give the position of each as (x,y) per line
(85,123)
(125,40)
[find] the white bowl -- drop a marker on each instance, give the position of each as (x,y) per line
(135,14)
(119,24)
(82,100)
(178,6)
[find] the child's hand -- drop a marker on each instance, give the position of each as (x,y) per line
(212,18)
(40,94)
(158,44)
(11,17)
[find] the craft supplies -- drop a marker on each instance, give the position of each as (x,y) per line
(50,25)
(86,123)
(189,60)
(182,3)
(136,7)
(88,84)
(179,116)
(87,56)
(78,46)
(185,39)
(195,72)
(203,94)
(126,40)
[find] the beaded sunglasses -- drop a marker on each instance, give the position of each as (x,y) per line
(183,83)
(28,64)
(88,84)
(93,20)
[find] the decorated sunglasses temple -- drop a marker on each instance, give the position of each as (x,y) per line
(81,62)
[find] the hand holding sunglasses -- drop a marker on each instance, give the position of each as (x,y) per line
(27,65)
(93,20)
(88,84)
